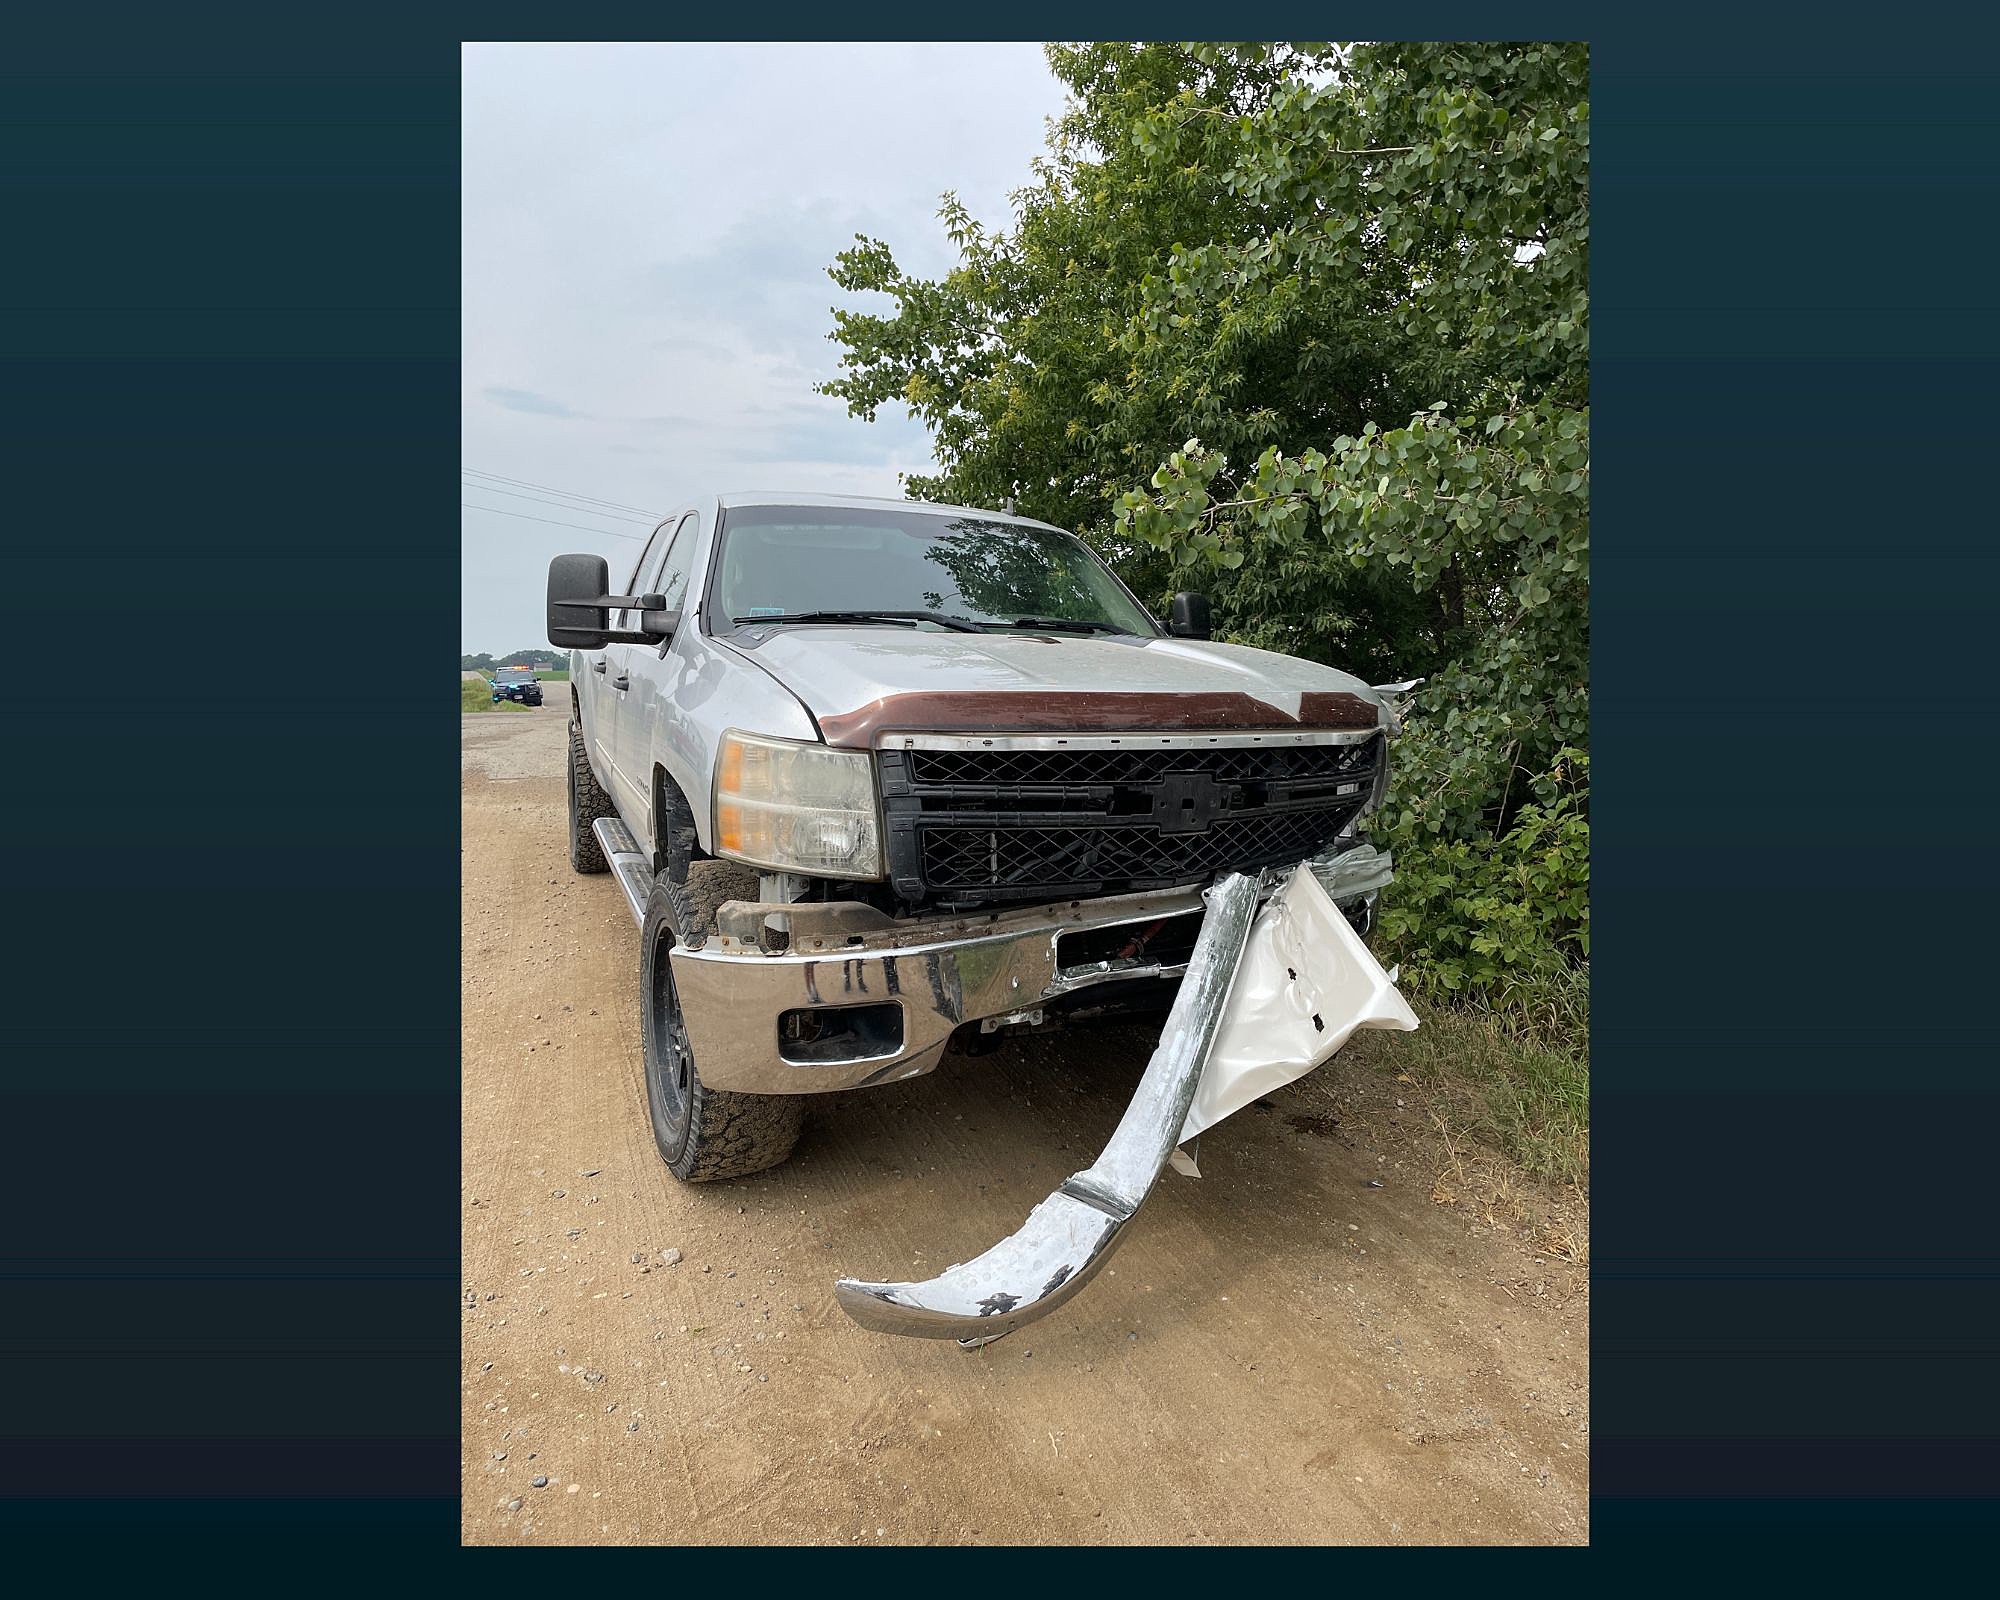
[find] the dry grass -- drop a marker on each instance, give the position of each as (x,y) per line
(1509,1109)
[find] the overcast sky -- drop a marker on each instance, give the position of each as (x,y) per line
(646,235)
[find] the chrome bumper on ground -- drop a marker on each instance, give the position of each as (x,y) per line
(1068,1236)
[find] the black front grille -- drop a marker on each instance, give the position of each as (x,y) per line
(977,827)
(942,769)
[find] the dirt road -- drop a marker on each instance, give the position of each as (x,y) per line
(1279,1353)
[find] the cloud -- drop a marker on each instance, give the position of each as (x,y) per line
(534,405)
(764,279)
(647,266)
(701,349)
(800,432)
(831,435)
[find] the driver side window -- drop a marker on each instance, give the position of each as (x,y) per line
(623,620)
(672,578)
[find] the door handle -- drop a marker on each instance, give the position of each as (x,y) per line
(597,665)
(621,682)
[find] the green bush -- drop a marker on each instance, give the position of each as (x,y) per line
(1307,326)
(1503,919)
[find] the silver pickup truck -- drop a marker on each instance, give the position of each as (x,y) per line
(881,779)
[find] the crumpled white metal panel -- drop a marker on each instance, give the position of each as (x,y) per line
(1306,985)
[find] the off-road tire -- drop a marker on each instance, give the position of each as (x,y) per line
(703,1134)
(587,802)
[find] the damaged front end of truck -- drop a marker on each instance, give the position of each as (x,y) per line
(1277,979)
(1265,974)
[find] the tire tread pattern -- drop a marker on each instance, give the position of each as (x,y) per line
(730,1135)
(587,802)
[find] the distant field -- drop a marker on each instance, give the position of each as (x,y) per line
(476,694)
(553,674)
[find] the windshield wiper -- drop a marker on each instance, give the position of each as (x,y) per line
(956,624)
(1066,625)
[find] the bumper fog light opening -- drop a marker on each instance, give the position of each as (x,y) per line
(822,1035)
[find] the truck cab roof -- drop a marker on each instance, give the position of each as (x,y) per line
(860,502)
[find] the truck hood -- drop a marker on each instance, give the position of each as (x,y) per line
(863,683)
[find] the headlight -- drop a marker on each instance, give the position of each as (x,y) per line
(797,807)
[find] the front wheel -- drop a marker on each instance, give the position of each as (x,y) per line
(703,1133)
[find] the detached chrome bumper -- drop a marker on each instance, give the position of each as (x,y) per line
(1269,995)
(1068,1236)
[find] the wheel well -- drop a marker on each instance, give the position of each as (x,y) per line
(675,841)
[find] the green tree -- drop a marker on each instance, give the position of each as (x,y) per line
(1307,325)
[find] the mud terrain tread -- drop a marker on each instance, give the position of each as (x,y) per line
(730,1135)
(738,1134)
(710,884)
(587,802)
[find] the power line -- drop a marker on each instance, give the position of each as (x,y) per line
(586,501)
(494,488)
(568,494)
(551,521)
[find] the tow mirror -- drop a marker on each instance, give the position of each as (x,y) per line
(580,607)
(577,608)
(656,622)
(1189,617)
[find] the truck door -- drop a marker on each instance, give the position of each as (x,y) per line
(609,679)
(648,713)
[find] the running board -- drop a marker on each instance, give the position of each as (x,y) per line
(1070,1234)
(628,862)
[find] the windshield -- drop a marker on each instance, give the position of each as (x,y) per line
(513,677)
(784,560)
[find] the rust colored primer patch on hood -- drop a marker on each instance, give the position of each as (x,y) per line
(973,711)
